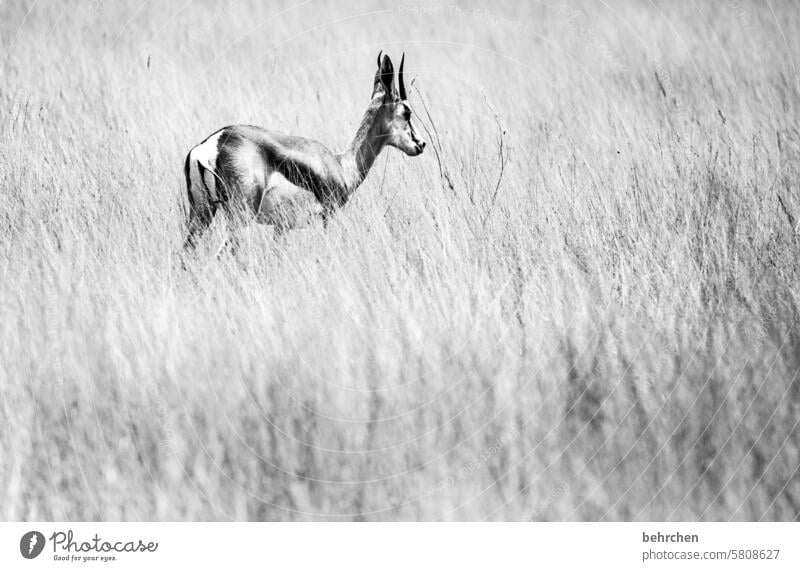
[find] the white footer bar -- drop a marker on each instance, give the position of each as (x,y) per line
(402,546)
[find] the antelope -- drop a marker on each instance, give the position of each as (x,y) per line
(289,181)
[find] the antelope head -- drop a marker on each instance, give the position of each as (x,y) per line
(394,116)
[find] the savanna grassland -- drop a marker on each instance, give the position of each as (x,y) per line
(581,302)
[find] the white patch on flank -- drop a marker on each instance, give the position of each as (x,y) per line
(286,204)
(205,154)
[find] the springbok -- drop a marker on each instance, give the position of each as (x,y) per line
(286,180)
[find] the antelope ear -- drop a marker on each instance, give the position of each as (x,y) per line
(384,77)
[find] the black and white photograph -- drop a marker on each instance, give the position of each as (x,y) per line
(378,261)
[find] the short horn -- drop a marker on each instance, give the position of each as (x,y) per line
(400,79)
(380,53)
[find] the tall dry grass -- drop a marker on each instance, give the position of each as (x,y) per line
(606,331)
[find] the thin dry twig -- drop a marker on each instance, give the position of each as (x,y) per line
(436,142)
(503,153)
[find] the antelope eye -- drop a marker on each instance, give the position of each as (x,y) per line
(407,113)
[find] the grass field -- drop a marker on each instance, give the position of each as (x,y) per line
(581,303)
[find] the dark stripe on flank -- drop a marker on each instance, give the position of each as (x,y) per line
(303,175)
(295,169)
